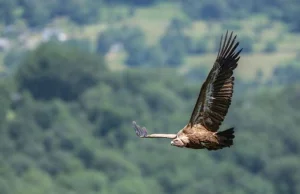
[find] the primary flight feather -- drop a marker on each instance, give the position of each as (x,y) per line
(211,107)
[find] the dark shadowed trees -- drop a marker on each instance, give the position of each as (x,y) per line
(55,70)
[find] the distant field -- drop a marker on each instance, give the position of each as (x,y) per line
(249,63)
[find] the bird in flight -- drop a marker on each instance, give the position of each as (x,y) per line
(211,107)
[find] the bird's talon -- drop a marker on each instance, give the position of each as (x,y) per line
(139,131)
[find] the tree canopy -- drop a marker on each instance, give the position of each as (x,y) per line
(56,70)
(51,144)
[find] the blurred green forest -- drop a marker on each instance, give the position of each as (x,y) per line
(67,103)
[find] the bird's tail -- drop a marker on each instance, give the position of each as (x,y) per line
(226,137)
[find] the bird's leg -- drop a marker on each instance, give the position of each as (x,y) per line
(142,132)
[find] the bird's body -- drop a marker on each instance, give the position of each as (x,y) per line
(211,107)
(198,137)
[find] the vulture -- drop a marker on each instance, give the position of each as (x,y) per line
(211,106)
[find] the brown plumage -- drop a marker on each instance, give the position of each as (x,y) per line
(211,107)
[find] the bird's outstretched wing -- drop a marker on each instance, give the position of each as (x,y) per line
(216,92)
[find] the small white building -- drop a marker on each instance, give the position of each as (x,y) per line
(50,33)
(4,44)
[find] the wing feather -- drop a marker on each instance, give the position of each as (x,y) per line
(216,92)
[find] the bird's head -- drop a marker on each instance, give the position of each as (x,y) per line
(178,142)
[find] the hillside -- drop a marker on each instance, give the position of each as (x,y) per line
(75,75)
